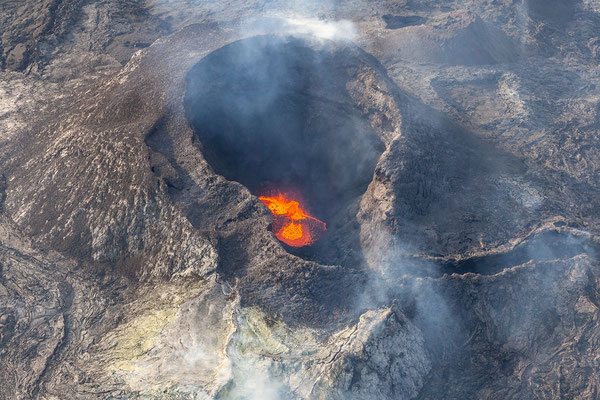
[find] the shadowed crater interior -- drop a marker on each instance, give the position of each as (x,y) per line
(274,114)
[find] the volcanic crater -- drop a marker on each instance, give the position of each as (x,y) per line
(457,157)
(275,114)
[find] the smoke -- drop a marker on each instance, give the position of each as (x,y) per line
(331,30)
(300,26)
(253,381)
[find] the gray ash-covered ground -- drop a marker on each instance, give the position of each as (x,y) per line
(452,148)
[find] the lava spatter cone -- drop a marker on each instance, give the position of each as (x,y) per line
(291,224)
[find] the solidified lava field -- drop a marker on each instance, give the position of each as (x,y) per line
(299,200)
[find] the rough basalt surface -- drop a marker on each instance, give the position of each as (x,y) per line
(452,148)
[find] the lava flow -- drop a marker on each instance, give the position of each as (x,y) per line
(291,224)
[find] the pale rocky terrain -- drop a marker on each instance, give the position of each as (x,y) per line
(452,148)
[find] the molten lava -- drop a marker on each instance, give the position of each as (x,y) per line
(291,224)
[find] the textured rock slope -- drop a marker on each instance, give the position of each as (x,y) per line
(461,259)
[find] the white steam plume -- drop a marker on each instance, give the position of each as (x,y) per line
(343,30)
(337,30)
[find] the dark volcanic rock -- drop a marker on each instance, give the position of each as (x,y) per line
(401,21)
(26,26)
(34,33)
(456,38)
(452,150)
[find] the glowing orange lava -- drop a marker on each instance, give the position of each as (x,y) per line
(291,224)
(292,231)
